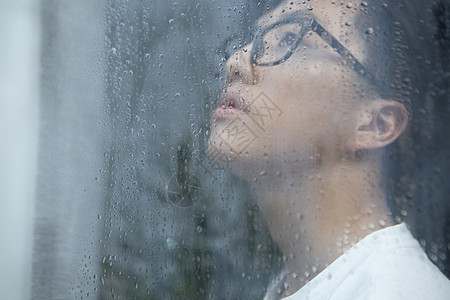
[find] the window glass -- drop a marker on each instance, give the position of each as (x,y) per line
(242,149)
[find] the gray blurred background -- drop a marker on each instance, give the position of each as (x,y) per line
(128,205)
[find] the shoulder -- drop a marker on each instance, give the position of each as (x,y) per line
(406,273)
(398,268)
(389,264)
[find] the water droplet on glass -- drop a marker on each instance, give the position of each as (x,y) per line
(171,243)
(369,30)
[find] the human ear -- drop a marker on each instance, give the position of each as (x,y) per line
(378,123)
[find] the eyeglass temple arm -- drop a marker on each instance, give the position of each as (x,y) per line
(336,45)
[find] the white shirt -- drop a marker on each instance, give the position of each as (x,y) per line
(387,264)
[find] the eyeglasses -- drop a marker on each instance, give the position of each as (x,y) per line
(276,44)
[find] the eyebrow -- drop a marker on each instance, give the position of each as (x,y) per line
(289,15)
(328,37)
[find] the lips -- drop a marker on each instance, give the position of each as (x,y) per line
(231,104)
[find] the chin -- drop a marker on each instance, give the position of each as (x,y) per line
(233,137)
(245,165)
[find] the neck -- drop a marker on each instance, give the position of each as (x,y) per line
(317,215)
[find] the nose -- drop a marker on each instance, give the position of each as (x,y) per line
(239,67)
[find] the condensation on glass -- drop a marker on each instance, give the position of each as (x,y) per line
(235,149)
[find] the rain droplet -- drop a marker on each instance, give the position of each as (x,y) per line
(171,243)
(364,3)
(369,30)
(171,21)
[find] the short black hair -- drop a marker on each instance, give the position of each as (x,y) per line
(408,53)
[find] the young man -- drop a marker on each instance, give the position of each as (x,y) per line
(305,121)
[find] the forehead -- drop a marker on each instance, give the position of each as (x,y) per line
(337,17)
(332,14)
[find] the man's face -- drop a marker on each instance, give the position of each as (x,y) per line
(283,114)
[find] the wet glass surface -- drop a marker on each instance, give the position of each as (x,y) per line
(172,167)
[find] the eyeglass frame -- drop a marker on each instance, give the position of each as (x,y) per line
(314,26)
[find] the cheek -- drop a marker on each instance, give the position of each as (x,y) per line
(310,96)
